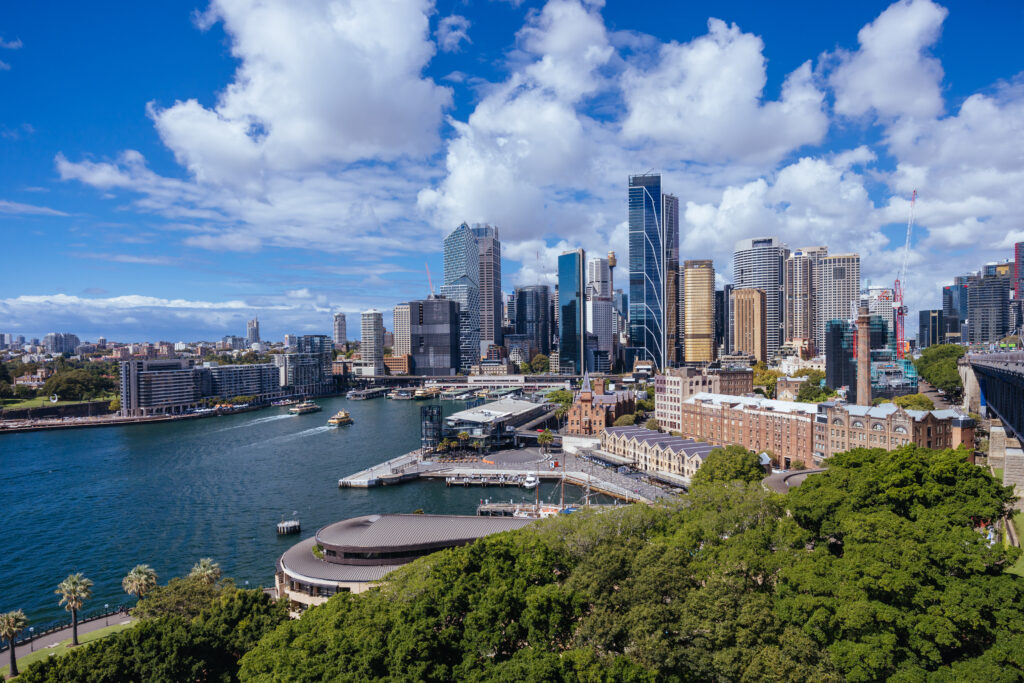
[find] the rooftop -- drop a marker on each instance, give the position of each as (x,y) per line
(755,403)
(412,531)
(677,444)
(491,412)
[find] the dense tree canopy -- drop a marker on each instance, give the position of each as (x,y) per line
(78,385)
(937,365)
(914,402)
(732,463)
(539,363)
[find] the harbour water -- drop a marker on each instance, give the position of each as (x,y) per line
(101,500)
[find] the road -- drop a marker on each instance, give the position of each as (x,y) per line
(931,392)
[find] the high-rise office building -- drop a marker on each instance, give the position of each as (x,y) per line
(600,312)
(371,344)
(60,342)
(699,314)
(1018,271)
(931,328)
(839,292)
(533,316)
(988,304)
(749,323)
(572,323)
(841,357)
(800,282)
(340,328)
(758,264)
(462,285)
(489,251)
(653,271)
(402,344)
(252,332)
(880,302)
(434,336)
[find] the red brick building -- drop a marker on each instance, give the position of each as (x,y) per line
(594,408)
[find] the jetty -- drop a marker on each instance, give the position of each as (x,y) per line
(509,468)
(364,394)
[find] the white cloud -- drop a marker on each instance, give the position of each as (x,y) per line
(703,99)
(28,209)
(892,74)
(10,44)
(451,31)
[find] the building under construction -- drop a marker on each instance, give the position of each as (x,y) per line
(890,376)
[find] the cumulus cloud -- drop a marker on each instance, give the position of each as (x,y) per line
(892,73)
(452,31)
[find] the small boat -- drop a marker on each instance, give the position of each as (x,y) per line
(291,526)
(342,417)
(530,481)
(305,407)
(285,402)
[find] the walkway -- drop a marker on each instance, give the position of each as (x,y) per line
(57,637)
(782,482)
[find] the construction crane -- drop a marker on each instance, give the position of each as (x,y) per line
(897,300)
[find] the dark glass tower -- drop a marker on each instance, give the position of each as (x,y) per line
(653,271)
(533,316)
(572,324)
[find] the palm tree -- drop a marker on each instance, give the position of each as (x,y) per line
(73,592)
(139,581)
(545,438)
(205,570)
(463,438)
(11,624)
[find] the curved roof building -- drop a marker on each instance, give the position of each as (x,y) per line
(357,553)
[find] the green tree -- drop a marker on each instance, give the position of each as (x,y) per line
(73,592)
(463,437)
(625,420)
(914,402)
(652,424)
(937,366)
(205,571)
(545,439)
(524,368)
(539,364)
(115,404)
(811,391)
(139,581)
(182,597)
(732,463)
(11,626)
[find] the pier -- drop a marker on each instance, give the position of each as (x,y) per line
(364,394)
(510,468)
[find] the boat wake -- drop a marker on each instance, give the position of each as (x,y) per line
(259,420)
(306,432)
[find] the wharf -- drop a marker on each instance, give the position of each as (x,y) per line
(513,466)
(510,509)
(364,394)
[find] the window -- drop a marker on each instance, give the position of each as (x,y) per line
(857,424)
(900,430)
(877,427)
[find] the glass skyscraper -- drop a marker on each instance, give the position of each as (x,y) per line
(653,271)
(533,316)
(758,264)
(462,285)
(489,250)
(572,325)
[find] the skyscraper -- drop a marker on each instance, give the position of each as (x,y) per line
(988,304)
(801,282)
(533,316)
(723,320)
(340,328)
(653,271)
(402,344)
(1018,271)
(252,332)
(371,345)
(600,312)
(839,291)
(931,328)
(461,285)
(699,314)
(840,357)
(434,336)
(749,323)
(489,279)
(572,317)
(879,301)
(758,264)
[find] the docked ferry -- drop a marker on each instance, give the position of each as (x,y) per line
(342,417)
(305,407)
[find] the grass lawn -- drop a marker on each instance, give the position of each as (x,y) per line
(997,472)
(40,401)
(60,649)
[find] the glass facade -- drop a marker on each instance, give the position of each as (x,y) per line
(434,336)
(571,319)
(653,271)
(462,285)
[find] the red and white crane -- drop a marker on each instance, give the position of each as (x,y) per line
(897,300)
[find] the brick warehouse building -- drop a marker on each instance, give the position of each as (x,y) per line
(840,427)
(678,384)
(594,408)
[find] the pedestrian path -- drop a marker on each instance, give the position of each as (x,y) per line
(52,640)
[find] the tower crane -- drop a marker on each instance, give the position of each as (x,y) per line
(897,300)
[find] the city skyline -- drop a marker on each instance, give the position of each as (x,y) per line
(126,199)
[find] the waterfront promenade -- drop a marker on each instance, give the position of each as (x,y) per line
(515,462)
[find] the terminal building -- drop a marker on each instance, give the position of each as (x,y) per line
(355,554)
(494,424)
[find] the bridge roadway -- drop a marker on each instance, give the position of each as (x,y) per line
(1001,387)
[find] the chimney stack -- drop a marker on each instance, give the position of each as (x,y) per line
(863,357)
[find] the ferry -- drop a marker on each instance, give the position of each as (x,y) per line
(342,417)
(305,407)
(426,393)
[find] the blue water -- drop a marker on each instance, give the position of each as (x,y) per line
(101,500)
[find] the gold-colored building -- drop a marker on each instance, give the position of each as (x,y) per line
(749,323)
(699,311)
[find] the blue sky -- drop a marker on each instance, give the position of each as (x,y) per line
(169,170)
